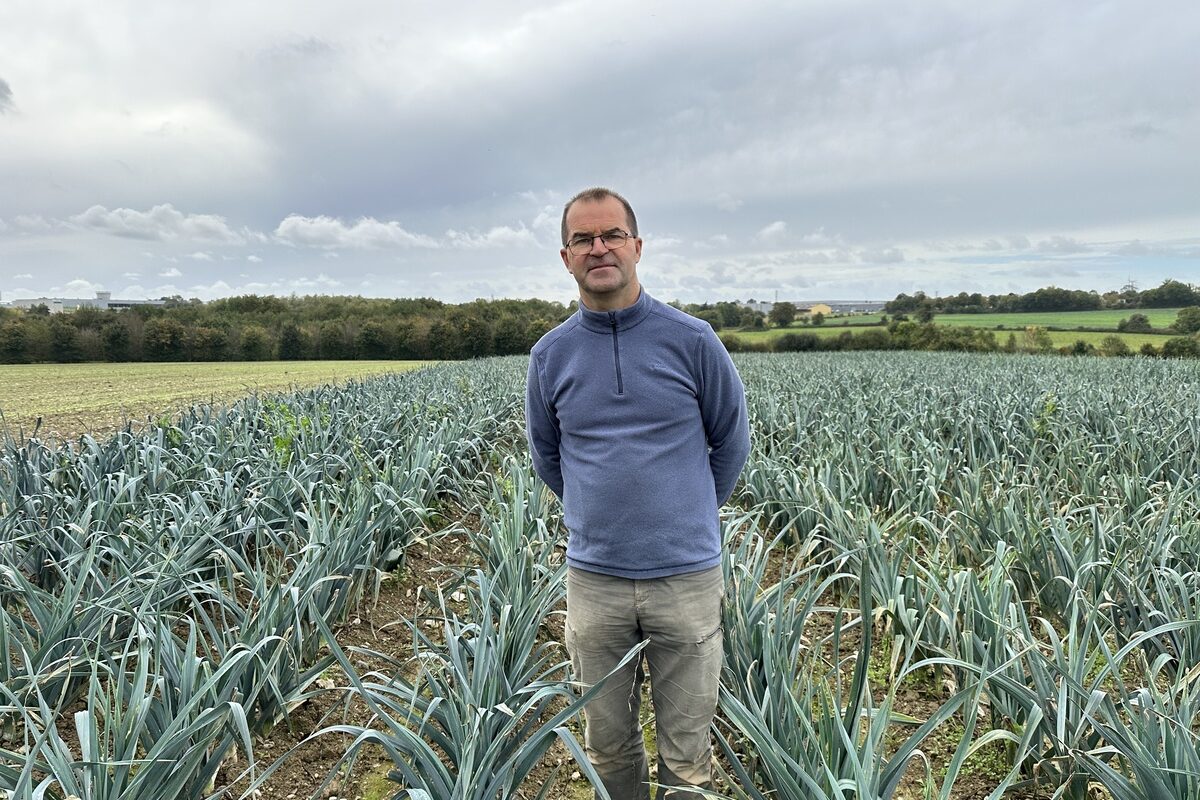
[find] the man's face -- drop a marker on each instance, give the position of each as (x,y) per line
(607,278)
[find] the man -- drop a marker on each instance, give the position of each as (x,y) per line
(637,421)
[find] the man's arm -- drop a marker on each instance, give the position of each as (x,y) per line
(723,410)
(541,428)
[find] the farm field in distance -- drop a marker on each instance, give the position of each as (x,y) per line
(832,328)
(73,399)
(1103,318)
(1004,547)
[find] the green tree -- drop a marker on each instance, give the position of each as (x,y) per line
(1168,295)
(1114,346)
(408,342)
(713,317)
(293,344)
(539,327)
(783,314)
(444,341)
(1181,347)
(731,314)
(372,341)
(817,318)
(510,336)
(163,339)
(751,319)
(474,333)
(1136,323)
(255,343)
(1188,320)
(208,344)
(114,337)
(1037,340)
(332,342)
(64,340)
(13,342)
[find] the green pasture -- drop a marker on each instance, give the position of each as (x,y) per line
(76,398)
(1107,318)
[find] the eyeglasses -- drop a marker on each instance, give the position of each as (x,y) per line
(582,244)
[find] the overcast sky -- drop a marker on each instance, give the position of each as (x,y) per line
(810,150)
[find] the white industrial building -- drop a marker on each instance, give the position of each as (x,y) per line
(58,305)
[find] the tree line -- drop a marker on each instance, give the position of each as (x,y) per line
(259,328)
(1170,294)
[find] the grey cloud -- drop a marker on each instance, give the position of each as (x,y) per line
(500,236)
(366,233)
(1062,245)
(79,287)
(31,222)
(772,231)
(1043,270)
(161,223)
(821,237)
(307,48)
(886,255)
(6,101)
(1141,131)
(1184,248)
(727,202)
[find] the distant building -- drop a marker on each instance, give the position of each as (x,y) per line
(58,305)
(856,307)
(826,307)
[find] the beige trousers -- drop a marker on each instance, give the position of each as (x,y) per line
(681,617)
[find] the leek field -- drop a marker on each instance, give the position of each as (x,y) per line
(948,575)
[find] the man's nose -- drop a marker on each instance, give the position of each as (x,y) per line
(598,241)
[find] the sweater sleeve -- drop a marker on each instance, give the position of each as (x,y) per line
(723,410)
(541,429)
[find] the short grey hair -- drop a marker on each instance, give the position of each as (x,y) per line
(595,195)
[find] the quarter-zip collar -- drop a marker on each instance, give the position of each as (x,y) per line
(626,318)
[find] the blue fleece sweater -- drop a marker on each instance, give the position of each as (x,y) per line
(637,420)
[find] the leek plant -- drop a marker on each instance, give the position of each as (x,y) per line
(479,714)
(1151,745)
(157,722)
(795,730)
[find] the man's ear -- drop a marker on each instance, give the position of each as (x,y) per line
(566,261)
